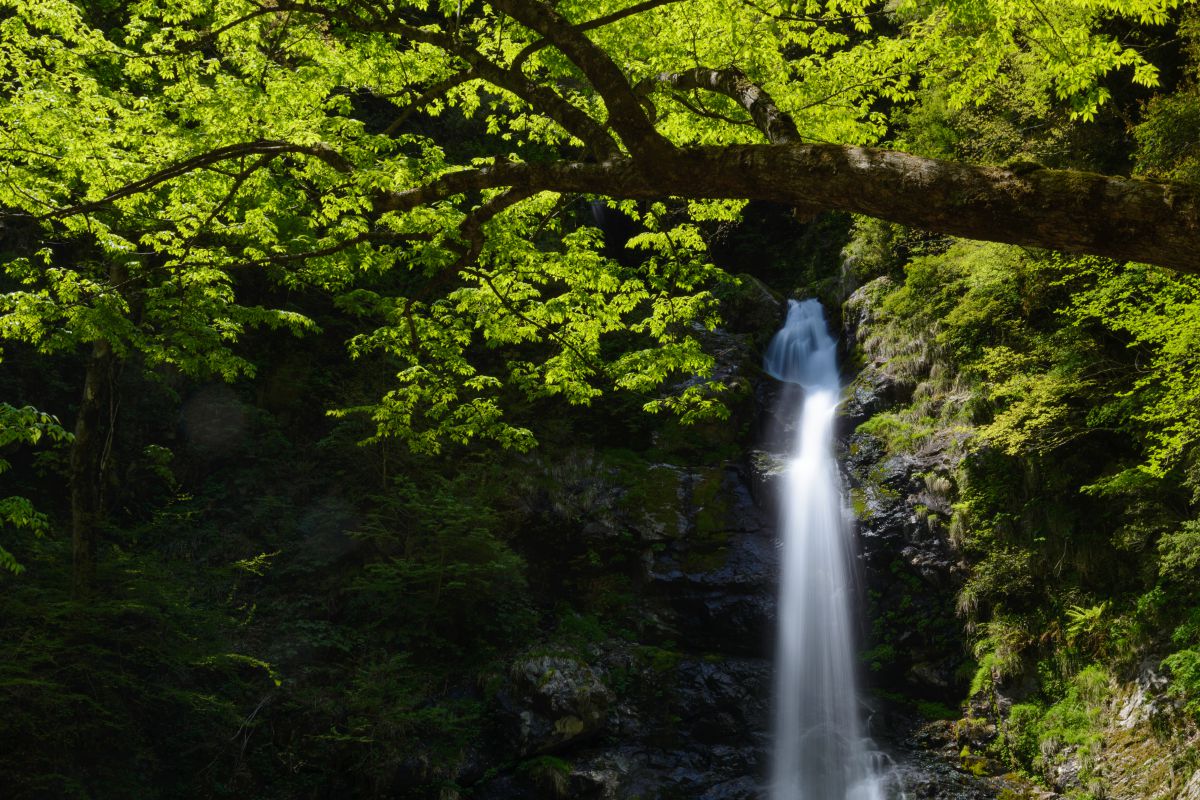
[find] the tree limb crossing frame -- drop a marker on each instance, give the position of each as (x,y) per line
(1075,212)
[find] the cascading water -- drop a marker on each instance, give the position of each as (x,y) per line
(820,752)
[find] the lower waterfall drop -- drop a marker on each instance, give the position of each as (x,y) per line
(820,751)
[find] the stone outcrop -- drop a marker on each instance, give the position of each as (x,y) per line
(685,711)
(552,702)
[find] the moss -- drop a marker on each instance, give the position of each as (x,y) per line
(705,442)
(880,657)
(568,727)
(900,433)
(549,774)
(973,762)
(711,503)
(658,659)
(933,710)
(706,561)
(1035,737)
(653,492)
(710,526)
(576,633)
(858,503)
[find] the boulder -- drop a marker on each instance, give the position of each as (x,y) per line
(552,702)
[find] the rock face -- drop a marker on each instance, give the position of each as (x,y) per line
(715,586)
(682,710)
(693,719)
(553,702)
(903,507)
(1140,747)
(910,572)
(1145,749)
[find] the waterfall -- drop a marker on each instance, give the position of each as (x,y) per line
(820,752)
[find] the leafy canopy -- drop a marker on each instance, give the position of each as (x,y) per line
(160,155)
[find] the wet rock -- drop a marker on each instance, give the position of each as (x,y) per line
(714,696)
(595,784)
(1146,698)
(736,789)
(716,583)
(553,701)
(752,307)
(872,391)
(929,762)
(902,503)
(719,772)
(1064,768)
(933,779)
(766,472)
(732,352)
(911,572)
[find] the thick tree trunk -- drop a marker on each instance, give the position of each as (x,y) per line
(1074,212)
(87,465)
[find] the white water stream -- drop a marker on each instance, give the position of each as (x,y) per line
(820,752)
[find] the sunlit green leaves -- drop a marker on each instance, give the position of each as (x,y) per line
(24,425)
(97,103)
(549,316)
(1060,44)
(1158,313)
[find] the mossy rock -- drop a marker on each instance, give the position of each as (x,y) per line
(752,307)
(554,701)
(653,498)
(711,502)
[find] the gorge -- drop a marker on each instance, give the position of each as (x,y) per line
(409,400)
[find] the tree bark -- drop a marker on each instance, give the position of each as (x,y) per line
(774,124)
(87,466)
(1074,212)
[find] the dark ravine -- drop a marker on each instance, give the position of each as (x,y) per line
(684,712)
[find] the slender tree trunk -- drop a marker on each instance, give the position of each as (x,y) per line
(94,428)
(87,465)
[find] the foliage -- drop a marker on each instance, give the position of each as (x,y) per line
(1072,417)
(162,156)
(129,696)
(1166,139)
(24,425)
(1035,735)
(280,612)
(1158,315)
(437,570)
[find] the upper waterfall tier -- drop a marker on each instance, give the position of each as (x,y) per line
(802,351)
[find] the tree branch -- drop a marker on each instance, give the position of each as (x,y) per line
(1075,212)
(598,22)
(439,89)
(542,99)
(471,228)
(733,83)
(264,147)
(699,110)
(625,113)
